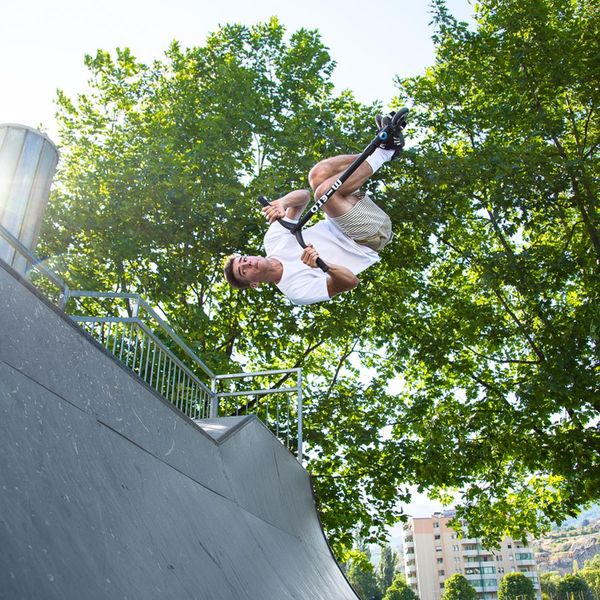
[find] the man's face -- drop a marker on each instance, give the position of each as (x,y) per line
(250,269)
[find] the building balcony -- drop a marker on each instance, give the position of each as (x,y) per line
(481,562)
(525,561)
(475,552)
(474,578)
(480,589)
(485,590)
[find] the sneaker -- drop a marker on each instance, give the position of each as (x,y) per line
(395,140)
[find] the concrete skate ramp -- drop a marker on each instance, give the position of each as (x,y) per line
(106,491)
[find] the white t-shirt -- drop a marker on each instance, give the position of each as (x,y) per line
(303,284)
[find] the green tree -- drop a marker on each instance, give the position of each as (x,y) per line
(592,579)
(361,574)
(591,574)
(457,587)
(492,301)
(399,590)
(574,587)
(386,569)
(549,583)
(592,563)
(516,585)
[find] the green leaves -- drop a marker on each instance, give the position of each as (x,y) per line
(458,587)
(504,383)
(515,584)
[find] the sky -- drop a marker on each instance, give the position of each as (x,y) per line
(43,44)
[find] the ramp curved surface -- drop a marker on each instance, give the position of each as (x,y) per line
(107,491)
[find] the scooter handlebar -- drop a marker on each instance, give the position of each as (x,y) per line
(399,116)
(320,262)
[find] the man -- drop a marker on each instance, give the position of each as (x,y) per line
(349,239)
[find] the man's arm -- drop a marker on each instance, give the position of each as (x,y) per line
(291,206)
(339,279)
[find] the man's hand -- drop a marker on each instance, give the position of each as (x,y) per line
(339,279)
(291,206)
(309,256)
(275,210)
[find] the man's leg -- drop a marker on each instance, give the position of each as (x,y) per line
(325,173)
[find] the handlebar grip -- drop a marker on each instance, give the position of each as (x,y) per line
(322,265)
(263,201)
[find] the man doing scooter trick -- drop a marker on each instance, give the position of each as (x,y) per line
(350,238)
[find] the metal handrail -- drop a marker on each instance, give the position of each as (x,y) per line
(36,263)
(139,301)
(150,334)
(265,391)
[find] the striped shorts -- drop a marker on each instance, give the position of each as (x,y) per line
(366,223)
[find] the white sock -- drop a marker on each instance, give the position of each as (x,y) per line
(380,156)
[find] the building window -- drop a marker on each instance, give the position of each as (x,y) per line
(436,525)
(438,548)
(509,545)
(500,569)
(456,548)
(441,572)
(442,585)
(437,536)
(440,561)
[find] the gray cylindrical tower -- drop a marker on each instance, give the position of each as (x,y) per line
(28,160)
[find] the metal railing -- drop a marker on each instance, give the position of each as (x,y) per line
(282,417)
(142,341)
(35,263)
(127,326)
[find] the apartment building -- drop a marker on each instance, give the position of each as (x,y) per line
(433,552)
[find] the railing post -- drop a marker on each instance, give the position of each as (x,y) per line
(214,401)
(135,309)
(64,298)
(299,381)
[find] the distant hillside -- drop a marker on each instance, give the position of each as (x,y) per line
(583,518)
(576,540)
